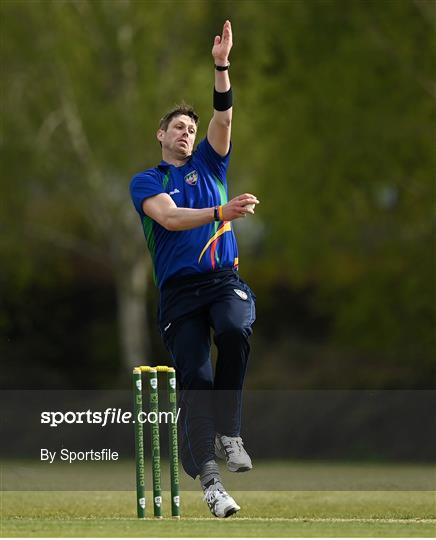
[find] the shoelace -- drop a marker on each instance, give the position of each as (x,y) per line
(213,493)
(233,445)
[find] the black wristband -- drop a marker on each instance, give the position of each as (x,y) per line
(222,100)
(222,68)
(216,216)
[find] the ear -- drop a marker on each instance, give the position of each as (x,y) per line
(160,134)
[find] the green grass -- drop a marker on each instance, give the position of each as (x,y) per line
(264,513)
(31,475)
(93,514)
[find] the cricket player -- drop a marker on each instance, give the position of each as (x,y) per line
(187,221)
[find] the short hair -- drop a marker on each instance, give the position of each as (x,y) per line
(178,110)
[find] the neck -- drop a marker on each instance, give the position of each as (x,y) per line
(177,161)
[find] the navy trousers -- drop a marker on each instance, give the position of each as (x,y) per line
(210,402)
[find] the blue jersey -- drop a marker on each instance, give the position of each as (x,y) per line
(200,183)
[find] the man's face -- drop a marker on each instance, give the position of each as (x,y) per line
(179,138)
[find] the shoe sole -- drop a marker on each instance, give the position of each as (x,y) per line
(239,469)
(232,510)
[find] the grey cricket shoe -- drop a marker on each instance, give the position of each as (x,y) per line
(232,450)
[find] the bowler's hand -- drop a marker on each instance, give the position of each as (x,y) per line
(222,45)
(240,206)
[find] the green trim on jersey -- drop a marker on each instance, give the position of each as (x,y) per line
(147,224)
(223,200)
(222,190)
(217,224)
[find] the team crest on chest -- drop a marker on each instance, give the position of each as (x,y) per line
(191,178)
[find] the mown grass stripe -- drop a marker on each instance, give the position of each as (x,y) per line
(235,518)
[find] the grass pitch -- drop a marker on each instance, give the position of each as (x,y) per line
(263,514)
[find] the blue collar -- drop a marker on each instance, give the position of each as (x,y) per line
(163,165)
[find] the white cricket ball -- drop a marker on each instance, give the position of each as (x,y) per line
(250,206)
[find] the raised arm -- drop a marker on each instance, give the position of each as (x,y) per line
(219,130)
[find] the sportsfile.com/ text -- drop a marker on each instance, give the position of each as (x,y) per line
(109,416)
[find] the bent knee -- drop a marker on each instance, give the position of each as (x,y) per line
(234,334)
(193,380)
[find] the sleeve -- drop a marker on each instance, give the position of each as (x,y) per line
(218,164)
(144,185)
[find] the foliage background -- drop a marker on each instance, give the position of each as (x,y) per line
(334,130)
